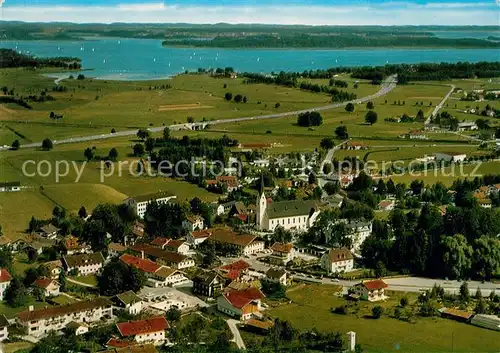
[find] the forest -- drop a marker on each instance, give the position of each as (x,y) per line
(10,58)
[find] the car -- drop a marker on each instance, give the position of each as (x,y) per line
(335,280)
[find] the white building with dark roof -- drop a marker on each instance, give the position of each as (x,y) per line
(139,203)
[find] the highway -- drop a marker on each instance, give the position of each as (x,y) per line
(388,85)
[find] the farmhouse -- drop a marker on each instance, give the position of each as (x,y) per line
(49,286)
(5,279)
(241,243)
(149,330)
(42,321)
(84,264)
(241,304)
(139,203)
(296,215)
(370,290)
(337,260)
(450,156)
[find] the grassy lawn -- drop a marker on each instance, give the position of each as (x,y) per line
(310,309)
(16,346)
(91,279)
(12,312)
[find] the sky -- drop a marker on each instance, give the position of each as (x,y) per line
(310,12)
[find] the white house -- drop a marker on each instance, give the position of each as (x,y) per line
(178,246)
(50,287)
(4,324)
(358,231)
(139,203)
(337,260)
(197,237)
(5,279)
(192,223)
(129,301)
(277,275)
(386,205)
(150,330)
(244,243)
(166,277)
(78,328)
(84,264)
(54,267)
(49,231)
(467,126)
(295,215)
(369,290)
(450,156)
(282,253)
(116,249)
(41,321)
(242,304)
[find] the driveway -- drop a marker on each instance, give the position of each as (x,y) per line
(236,333)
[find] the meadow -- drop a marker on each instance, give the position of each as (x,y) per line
(385,334)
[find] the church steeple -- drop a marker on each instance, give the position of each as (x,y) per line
(261,204)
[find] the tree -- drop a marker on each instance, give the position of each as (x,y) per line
(464,293)
(371,117)
(113,154)
(341,132)
(457,256)
(117,277)
(166,133)
(277,105)
(370,105)
(228,96)
(420,115)
(47,144)
(245,99)
(143,134)
(377,311)
(403,302)
(16,145)
(15,294)
(331,188)
(150,144)
(62,281)
(486,256)
(238,98)
(327,143)
(309,119)
(139,150)
(190,119)
(173,314)
(349,107)
(312,178)
(480,306)
(89,154)
(82,212)
(478,294)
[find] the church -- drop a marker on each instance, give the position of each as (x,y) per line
(295,215)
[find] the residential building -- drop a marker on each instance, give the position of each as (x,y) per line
(241,304)
(10,186)
(358,231)
(230,182)
(208,283)
(145,265)
(5,279)
(337,260)
(295,215)
(128,301)
(4,324)
(164,257)
(354,145)
(386,205)
(370,290)
(54,267)
(84,264)
(73,246)
(192,223)
(416,135)
(282,253)
(178,246)
(138,231)
(48,231)
(241,243)
(116,249)
(450,156)
(50,287)
(78,328)
(197,237)
(467,126)
(167,277)
(139,203)
(277,275)
(42,321)
(150,330)
(234,271)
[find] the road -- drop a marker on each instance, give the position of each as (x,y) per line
(440,105)
(236,333)
(388,85)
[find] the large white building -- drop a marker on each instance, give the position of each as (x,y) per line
(295,215)
(40,322)
(150,330)
(5,279)
(337,260)
(139,203)
(84,264)
(450,156)
(358,231)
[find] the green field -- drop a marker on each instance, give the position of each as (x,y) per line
(311,306)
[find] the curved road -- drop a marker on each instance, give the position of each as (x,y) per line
(388,85)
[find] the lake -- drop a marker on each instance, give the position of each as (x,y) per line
(144,59)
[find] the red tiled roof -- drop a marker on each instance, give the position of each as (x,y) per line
(201,234)
(375,284)
(160,241)
(43,282)
(4,275)
(142,264)
(175,244)
(238,265)
(241,217)
(113,342)
(133,328)
(211,182)
(228,236)
(282,247)
(233,274)
(228,180)
(239,299)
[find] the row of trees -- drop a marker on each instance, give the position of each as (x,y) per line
(309,119)
(238,98)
